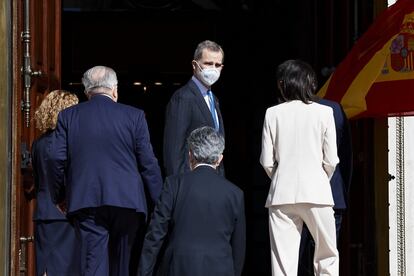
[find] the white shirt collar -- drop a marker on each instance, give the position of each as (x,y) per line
(203,164)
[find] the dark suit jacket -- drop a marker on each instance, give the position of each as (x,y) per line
(203,216)
(341,178)
(109,156)
(185,112)
(43,179)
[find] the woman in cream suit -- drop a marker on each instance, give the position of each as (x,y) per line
(299,155)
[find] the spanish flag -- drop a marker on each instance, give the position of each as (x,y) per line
(376,78)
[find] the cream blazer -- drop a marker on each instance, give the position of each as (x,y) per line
(299,153)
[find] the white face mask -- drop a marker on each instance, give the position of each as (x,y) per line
(208,75)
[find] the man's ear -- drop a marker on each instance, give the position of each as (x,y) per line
(115,94)
(220,159)
(191,160)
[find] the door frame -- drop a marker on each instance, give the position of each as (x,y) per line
(13,179)
(5,134)
(15,89)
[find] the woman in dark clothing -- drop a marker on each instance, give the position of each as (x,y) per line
(55,241)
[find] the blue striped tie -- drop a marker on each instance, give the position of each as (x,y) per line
(213,109)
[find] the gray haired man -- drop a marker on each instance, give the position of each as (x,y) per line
(103,151)
(203,215)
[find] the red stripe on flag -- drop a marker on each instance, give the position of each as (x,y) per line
(390,98)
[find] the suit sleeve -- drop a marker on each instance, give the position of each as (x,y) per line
(267,158)
(157,230)
(147,162)
(330,156)
(177,123)
(344,149)
(58,159)
(238,239)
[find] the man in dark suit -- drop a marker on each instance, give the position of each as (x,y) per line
(340,183)
(193,106)
(104,148)
(201,213)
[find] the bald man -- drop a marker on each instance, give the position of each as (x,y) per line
(103,150)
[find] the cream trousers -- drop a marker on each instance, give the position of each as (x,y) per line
(285,227)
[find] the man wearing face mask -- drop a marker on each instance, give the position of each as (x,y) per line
(192,106)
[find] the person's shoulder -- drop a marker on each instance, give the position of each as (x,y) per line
(206,175)
(71,109)
(174,181)
(179,177)
(184,92)
(325,112)
(280,108)
(129,108)
(321,106)
(235,189)
(127,113)
(44,140)
(43,136)
(275,108)
(229,186)
(330,103)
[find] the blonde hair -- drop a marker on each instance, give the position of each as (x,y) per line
(46,114)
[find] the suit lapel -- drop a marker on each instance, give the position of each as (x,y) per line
(201,103)
(221,126)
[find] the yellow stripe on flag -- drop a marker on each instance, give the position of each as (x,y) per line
(353,100)
(324,88)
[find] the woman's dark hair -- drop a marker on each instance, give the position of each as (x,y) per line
(296,81)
